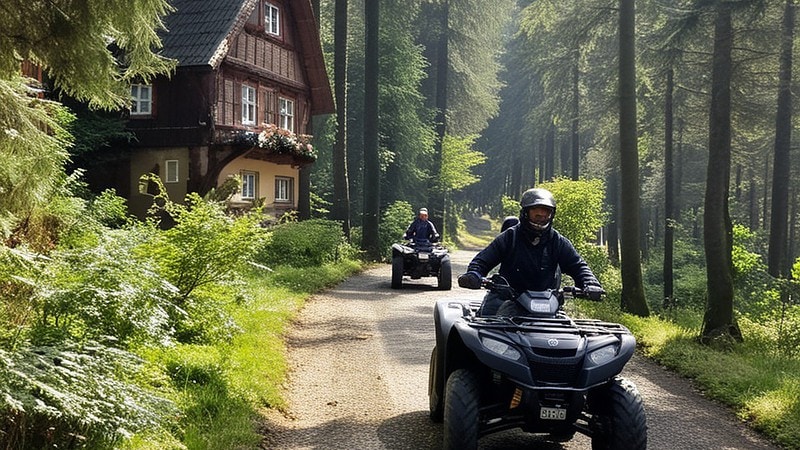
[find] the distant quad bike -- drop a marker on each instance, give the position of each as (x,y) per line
(532,367)
(421,259)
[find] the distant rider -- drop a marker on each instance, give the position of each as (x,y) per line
(421,230)
(531,255)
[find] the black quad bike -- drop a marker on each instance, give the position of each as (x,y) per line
(536,369)
(422,259)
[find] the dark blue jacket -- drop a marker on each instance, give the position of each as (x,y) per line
(421,231)
(533,267)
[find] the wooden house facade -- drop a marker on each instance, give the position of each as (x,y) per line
(244,66)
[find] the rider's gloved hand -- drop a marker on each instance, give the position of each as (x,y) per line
(470,280)
(435,238)
(594,293)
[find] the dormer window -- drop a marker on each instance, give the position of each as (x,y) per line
(272,19)
(141,100)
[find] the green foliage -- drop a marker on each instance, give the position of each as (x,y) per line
(394,222)
(509,207)
(305,244)
(74,396)
(579,208)
(579,214)
(458,159)
(110,209)
(205,246)
(89,293)
(32,147)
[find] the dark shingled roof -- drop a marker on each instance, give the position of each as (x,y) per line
(197,28)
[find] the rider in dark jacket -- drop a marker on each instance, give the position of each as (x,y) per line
(532,255)
(421,230)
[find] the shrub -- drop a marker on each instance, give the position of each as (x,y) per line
(394,222)
(305,244)
(74,396)
(110,209)
(100,291)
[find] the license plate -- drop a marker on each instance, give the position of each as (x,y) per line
(552,413)
(423,256)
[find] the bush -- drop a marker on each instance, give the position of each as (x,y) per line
(74,396)
(394,223)
(110,209)
(305,244)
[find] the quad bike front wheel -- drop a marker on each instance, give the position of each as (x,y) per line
(461,403)
(618,418)
(435,401)
(445,274)
(397,272)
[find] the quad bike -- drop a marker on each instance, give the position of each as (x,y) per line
(421,259)
(536,369)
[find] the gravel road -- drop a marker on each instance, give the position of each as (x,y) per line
(359,358)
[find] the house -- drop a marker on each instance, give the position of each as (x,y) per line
(245,69)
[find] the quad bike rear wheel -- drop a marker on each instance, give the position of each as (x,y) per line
(397,272)
(461,403)
(618,416)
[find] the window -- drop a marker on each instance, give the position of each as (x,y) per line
(272,19)
(248,105)
(286,113)
(283,189)
(172,171)
(142,99)
(249,185)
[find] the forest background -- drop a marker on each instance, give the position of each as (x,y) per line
(679,115)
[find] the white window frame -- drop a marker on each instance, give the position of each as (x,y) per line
(283,189)
(249,185)
(286,113)
(172,174)
(141,103)
(272,19)
(248,105)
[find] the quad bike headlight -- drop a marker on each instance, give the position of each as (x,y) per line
(501,348)
(603,354)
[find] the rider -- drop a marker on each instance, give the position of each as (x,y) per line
(421,230)
(531,255)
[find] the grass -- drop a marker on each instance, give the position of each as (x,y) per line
(220,388)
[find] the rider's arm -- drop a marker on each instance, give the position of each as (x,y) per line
(488,258)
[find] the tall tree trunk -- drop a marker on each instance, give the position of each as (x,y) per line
(677,185)
(304,176)
(372,170)
(543,157)
(669,218)
(436,201)
(633,299)
(765,200)
(564,159)
(550,152)
(612,198)
(776,258)
(717,229)
(576,156)
(341,188)
(752,199)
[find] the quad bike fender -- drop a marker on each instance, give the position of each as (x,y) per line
(470,338)
(400,249)
(446,313)
(593,375)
